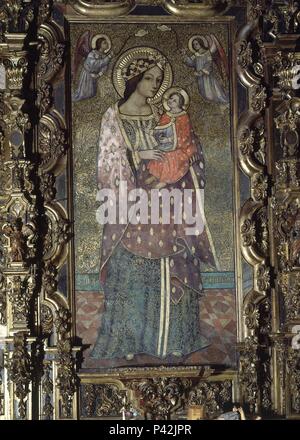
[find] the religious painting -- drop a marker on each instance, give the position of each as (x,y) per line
(154,194)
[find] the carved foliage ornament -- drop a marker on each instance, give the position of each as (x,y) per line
(162,395)
(20,291)
(47,387)
(286,68)
(105,400)
(66,376)
(20,371)
(211,395)
(16,15)
(249,371)
(293,369)
(282,18)
(3,317)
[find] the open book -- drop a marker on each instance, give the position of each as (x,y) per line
(165,136)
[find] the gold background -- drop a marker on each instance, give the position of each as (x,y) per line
(210,121)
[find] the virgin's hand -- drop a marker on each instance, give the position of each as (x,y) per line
(151,155)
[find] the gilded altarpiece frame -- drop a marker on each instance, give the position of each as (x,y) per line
(43,374)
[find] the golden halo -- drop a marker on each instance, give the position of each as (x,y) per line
(197,37)
(170,92)
(134,54)
(97,37)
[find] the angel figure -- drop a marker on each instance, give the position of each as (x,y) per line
(97,54)
(19,236)
(211,68)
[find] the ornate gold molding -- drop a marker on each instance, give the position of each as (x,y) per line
(181,8)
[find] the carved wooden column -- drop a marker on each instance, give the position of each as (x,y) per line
(284,69)
(18,212)
(269,363)
(255,381)
(37,377)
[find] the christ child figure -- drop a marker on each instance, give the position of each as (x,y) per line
(175,137)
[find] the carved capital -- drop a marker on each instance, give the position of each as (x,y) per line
(16,16)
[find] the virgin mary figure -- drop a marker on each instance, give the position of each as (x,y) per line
(150,272)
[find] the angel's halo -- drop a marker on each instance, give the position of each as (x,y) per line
(198,37)
(97,37)
(176,90)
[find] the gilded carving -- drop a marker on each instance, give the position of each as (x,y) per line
(252,316)
(19,370)
(16,15)
(162,395)
(281,356)
(20,291)
(291,295)
(246,141)
(20,239)
(44,11)
(62,321)
(47,386)
(66,379)
(2,408)
(263,230)
(249,361)
(285,68)
(49,278)
(259,187)
(101,400)
(293,369)
(255,9)
(272,20)
(258,98)
(252,145)
(47,320)
(44,97)
(16,69)
(48,186)
(51,49)
(56,231)
(248,232)
(244,55)
(263,278)
(52,140)
(211,395)
(3,318)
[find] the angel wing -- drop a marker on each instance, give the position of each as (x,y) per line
(83,48)
(219,56)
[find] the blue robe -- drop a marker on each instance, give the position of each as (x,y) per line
(93,65)
(210,88)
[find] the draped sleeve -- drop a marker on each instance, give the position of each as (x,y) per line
(115,174)
(95,64)
(190,61)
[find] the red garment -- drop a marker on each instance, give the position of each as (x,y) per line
(175,164)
